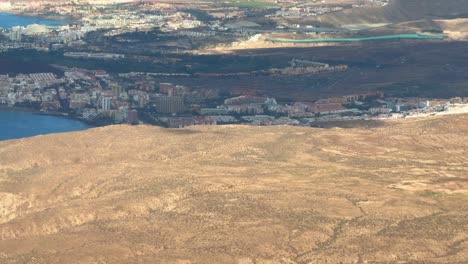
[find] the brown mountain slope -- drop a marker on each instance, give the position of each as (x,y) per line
(400,11)
(455,29)
(396,193)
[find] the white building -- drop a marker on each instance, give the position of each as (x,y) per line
(16,34)
(106,103)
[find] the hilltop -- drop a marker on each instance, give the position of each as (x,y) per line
(238,194)
(400,11)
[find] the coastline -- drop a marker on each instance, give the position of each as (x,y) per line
(31,110)
(24,122)
(20,13)
(4,108)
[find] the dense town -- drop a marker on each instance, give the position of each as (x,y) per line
(100,98)
(221,20)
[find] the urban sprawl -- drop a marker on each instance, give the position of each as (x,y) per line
(99,97)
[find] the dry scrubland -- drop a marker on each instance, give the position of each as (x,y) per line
(399,11)
(396,193)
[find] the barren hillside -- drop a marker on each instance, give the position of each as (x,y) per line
(400,11)
(396,193)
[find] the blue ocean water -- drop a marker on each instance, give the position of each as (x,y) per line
(11,20)
(23,124)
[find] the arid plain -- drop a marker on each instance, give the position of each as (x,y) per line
(396,192)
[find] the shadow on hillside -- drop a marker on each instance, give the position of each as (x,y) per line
(182,131)
(350,124)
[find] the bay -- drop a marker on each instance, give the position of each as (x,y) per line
(14,125)
(10,20)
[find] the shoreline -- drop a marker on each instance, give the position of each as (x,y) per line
(31,110)
(62,19)
(20,109)
(34,111)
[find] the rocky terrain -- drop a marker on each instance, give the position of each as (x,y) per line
(400,11)
(396,192)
